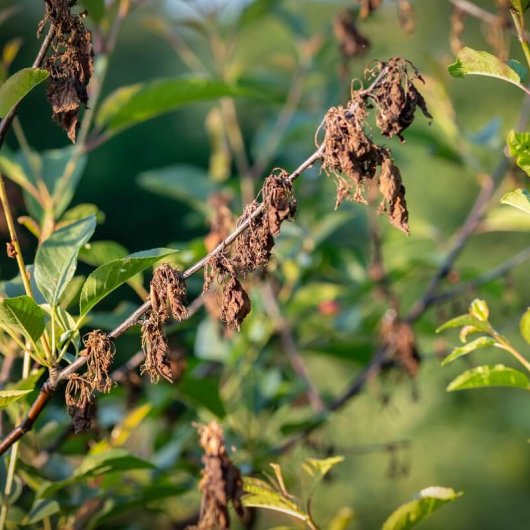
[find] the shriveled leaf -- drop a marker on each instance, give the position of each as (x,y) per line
(17,86)
(481,342)
(23,315)
(524,326)
(259,494)
(490,376)
(420,508)
(56,258)
(518,199)
(519,146)
(134,104)
(110,276)
(474,62)
(41,509)
(10,396)
(189,184)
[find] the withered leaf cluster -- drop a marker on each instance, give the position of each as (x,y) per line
(168,293)
(352,43)
(221,220)
(399,339)
(397,98)
(79,393)
(155,346)
(368,7)
(168,297)
(220,483)
(235,302)
(350,154)
(279,200)
(70,64)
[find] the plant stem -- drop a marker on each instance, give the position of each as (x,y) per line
(521,35)
(503,344)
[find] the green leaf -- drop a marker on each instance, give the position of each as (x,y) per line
(23,315)
(342,519)
(524,326)
(519,147)
(17,86)
(204,393)
(95,8)
(473,62)
(41,509)
(259,494)
(481,342)
(111,275)
(518,199)
(189,184)
(521,69)
(490,376)
(462,320)
(10,396)
(134,104)
(420,508)
(100,464)
(48,166)
(320,467)
(83,210)
(479,309)
(56,258)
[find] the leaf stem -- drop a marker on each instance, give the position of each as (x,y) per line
(505,345)
(521,35)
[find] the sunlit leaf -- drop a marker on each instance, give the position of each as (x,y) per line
(524,326)
(474,62)
(56,258)
(481,342)
(462,320)
(22,314)
(17,86)
(519,146)
(134,104)
(420,508)
(490,376)
(479,309)
(110,276)
(259,494)
(10,396)
(518,199)
(341,520)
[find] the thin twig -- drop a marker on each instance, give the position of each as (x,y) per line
(289,345)
(478,12)
(487,277)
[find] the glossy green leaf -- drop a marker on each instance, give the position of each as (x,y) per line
(134,104)
(481,342)
(10,396)
(41,509)
(474,62)
(189,184)
(519,147)
(420,508)
(518,199)
(56,258)
(23,315)
(260,494)
(110,276)
(490,376)
(524,326)
(17,86)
